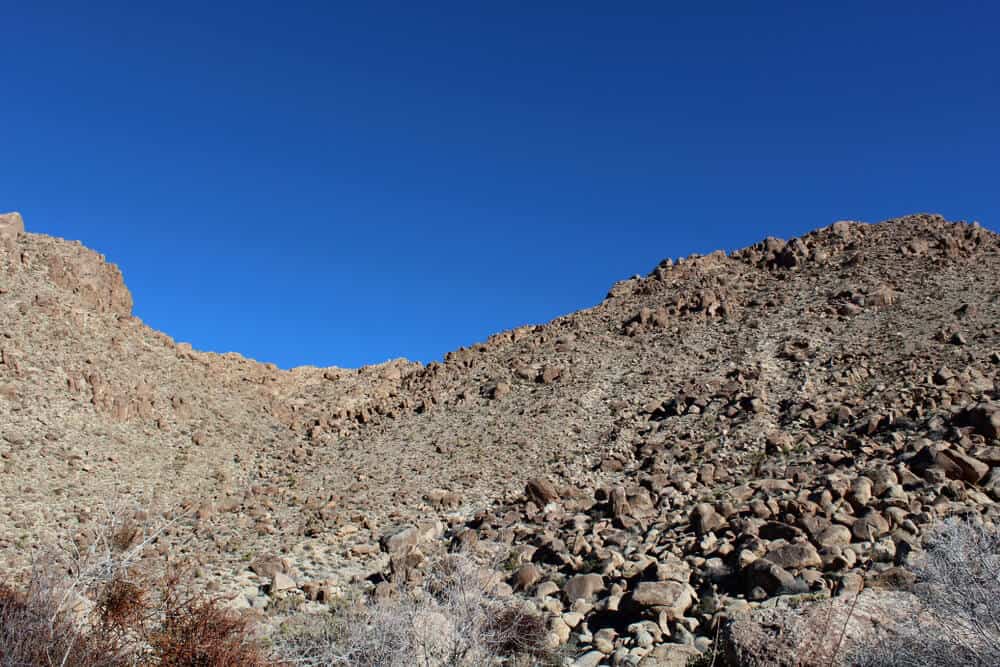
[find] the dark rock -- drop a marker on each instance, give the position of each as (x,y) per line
(772,578)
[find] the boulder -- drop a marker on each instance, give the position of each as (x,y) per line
(620,507)
(835,535)
(399,539)
(795,556)
(268,566)
(499,390)
(525,577)
(670,655)
(704,519)
(671,597)
(971,470)
(813,634)
(772,579)
(549,374)
(281,582)
(984,418)
(541,491)
(583,587)
(775,530)
(589,659)
(869,526)
(933,456)
(861,492)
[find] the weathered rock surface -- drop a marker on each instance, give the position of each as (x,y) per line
(810,634)
(787,419)
(11,225)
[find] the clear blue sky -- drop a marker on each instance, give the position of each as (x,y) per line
(338,183)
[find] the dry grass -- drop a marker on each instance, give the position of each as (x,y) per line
(88,605)
(454,619)
(36,631)
(950,618)
(958,585)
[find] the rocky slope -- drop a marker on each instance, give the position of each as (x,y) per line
(786,419)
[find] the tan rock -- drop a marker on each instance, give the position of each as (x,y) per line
(795,556)
(542,491)
(583,587)
(525,577)
(670,655)
(671,597)
(704,519)
(835,535)
(589,659)
(800,635)
(400,538)
(550,374)
(281,582)
(11,224)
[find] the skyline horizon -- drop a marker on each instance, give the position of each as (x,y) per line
(388,359)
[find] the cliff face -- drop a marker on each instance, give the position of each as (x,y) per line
(677,417)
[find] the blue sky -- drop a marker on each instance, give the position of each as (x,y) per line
(341,183)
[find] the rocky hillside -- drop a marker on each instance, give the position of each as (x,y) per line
(785,419)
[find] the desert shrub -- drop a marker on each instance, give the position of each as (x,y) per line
(37,627)
(121,605)
(185,629)
(86,604)
(454,619)
(958,586)
(123,534)
(512,631)
(203,634)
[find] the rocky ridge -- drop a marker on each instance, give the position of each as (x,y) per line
(727,431)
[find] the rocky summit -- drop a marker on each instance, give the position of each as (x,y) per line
(782,422)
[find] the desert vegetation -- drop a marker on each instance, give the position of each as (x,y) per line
(101,600)
(93,605)
(957,621)
(454,618)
